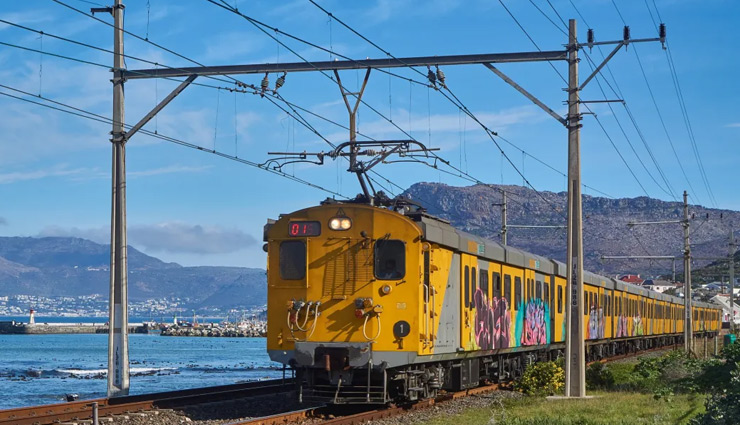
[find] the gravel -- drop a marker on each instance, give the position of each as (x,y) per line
(223,413)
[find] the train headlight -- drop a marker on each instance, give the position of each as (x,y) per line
(340,223)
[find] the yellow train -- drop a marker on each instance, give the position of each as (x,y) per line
(378,304)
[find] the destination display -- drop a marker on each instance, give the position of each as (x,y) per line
(304,228)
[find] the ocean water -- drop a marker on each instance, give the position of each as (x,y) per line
(41,369)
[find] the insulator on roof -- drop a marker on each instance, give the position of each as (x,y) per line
(440,76)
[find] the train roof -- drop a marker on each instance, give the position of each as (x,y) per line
(441,232)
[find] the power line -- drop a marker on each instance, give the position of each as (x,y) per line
(684,112)
(665,129)
(71,110)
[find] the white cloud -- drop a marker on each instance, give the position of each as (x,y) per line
(733,125)
(7,178)
(3,221)
(170,237)
(170,169)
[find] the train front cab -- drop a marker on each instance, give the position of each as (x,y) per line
(343,298)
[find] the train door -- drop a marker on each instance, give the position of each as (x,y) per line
(468,286)
(558,303)
(608,297)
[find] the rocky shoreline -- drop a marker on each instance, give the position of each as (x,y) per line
(241,330)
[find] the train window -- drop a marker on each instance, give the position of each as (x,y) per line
(607,305)
(507,289)
(560,299)
(473,287)
(539,290)
(293,260)
(484,282)
(496,285)
(390,259)
(517,292)
(546,292)
(467,286)
(586,303)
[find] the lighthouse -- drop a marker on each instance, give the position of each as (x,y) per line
(31,318)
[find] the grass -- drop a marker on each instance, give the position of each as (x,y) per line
(606,408)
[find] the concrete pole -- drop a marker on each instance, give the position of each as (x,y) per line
(575,364)
(732,281)
(118,365)
(503,219)
(688,333)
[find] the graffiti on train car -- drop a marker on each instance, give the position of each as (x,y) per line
(492,322)
(596,323)
(637,329)
(533,323)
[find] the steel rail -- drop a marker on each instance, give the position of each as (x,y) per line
(82,409)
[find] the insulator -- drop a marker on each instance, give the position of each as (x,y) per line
(661,31)
(590,36)
(430,75)
(265,82)
(280,81)
(440,76)
(626,33)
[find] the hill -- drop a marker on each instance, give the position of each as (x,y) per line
(605,230)
(63,266)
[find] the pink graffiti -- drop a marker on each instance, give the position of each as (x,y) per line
(492,322)
(535,328)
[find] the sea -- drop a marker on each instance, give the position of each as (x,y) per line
(43,369)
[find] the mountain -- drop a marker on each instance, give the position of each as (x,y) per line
(63,266)
(605,229)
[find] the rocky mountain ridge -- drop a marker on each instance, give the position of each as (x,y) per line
(64,266)
(605,224)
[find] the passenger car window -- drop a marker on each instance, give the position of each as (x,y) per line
(293,260)
(390,259)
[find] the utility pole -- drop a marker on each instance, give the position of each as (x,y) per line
(503,206)
(118,364)
(732,281)
(688,332)
(505,226)
(575,350)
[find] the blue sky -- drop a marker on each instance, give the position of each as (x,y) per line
(196,208)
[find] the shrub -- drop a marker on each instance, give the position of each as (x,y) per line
(542,378)
(599,376)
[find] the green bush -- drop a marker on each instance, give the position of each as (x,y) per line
(599,376)
(542,378)
(723,407)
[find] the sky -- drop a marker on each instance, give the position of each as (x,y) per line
(195,208)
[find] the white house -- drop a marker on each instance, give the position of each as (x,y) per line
(727,312)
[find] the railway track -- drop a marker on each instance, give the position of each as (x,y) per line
(83,410)
(364,416)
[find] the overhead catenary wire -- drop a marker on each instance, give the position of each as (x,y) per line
(662,121)
(71,110)
(682,104)
(454,99)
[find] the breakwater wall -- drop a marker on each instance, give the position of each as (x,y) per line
(18,328)
(248,330)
